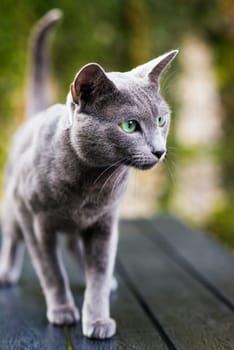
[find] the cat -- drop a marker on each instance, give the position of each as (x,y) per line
(67,172)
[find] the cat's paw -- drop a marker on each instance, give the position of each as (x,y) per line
(63,314)
(6,280)
(100,329)
(114,284)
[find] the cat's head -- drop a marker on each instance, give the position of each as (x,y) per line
(120,118)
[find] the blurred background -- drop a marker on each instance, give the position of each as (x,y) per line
(196,181)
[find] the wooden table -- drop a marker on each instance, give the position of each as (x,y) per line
(176,291)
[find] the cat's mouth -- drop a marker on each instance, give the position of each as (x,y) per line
(145,166)
(142,164)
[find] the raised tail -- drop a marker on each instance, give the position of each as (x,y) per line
(37,97)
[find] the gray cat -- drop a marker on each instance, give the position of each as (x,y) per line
(67,171)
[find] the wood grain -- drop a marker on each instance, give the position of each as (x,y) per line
(23,323)
(134,329)
(189,314)
(168,276)
(209,259)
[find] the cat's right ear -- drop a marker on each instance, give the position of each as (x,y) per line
(90,83)
(153,69)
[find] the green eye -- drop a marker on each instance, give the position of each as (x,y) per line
(161,120)
(129,126)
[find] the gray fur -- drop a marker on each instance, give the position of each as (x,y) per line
(67,172)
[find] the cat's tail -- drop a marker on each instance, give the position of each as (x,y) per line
(37,97)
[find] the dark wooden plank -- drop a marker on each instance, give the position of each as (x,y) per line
(134,329)
(204,254)
(23,323)
(190,315)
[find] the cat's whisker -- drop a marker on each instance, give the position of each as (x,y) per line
(119,176)
(109,177)
(136,173)
(171,160)
(169,171)
(117,180)
(108,168)
(171,151)
(135,183)
(106,181)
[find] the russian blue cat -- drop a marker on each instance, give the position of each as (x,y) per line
(67,171)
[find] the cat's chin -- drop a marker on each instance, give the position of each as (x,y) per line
(145,166)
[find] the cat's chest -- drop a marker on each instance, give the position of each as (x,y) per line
(75,203)
(98,197)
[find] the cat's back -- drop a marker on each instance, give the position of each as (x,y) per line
(34,135)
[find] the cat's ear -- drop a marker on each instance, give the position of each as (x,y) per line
(90,83)
(153,69)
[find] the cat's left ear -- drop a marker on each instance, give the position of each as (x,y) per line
(90,83)
(154,68)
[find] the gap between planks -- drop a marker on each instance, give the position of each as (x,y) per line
(158,327)
(174,255)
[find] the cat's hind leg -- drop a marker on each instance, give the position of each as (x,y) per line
(114,284)
(76,250)
(42,245)
(12,252)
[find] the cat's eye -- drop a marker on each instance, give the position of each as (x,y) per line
(161,120)
(130,126)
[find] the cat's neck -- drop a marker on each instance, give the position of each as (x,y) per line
(77,169)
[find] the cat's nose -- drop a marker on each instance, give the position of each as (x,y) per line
(158,153)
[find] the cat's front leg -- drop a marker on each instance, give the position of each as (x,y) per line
(100,243)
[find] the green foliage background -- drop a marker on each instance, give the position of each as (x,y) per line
(120,34)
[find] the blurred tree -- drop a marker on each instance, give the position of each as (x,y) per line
(119,35)
(138,19)
(221,36)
